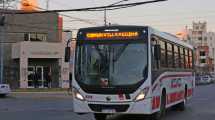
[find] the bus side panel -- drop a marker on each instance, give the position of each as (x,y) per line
(174,83)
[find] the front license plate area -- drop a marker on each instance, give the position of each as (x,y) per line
(108,110)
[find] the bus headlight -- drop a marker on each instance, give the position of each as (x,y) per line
(142,94)
(77,95)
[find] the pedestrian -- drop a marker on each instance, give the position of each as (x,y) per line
(49,79)
(36,77)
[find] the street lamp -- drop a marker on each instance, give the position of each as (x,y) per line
(105,10)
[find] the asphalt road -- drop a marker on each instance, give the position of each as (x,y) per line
(58,107)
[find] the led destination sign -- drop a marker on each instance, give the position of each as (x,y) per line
(112,35)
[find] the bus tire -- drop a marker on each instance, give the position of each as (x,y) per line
(160,115)
(3,95)
(100,116)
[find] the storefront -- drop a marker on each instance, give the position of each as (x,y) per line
(41,64)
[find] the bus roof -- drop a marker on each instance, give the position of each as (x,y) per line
(164,35)
(170,37)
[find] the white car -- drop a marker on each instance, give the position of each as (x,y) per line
(206,79)
(4,89)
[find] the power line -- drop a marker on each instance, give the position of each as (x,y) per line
(172,14)
(105,10)
(87,9)
(79,19)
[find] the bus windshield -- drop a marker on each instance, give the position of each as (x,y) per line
(111,65)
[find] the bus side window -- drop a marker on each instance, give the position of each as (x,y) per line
(155,63)
(187,59)
(176,57)
(170,55)
(190,59)
(182,57)
(163,59)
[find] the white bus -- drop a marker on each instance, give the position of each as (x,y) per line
(130,70)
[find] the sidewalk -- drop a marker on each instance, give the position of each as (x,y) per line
(40,93)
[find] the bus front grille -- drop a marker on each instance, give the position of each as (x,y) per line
(117,108)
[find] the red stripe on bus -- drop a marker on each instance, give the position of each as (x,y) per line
(155,102)
(169,76)
(189,92)
(173,76)
(174,97)
(171,98)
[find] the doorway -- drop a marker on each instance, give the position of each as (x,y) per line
(36,77)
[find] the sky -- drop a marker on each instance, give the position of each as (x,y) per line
(169,16)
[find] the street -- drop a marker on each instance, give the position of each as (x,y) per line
(58,107)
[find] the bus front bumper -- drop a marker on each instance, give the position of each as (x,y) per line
(140,107)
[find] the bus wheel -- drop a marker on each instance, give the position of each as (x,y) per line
(159,115)
(3,95)
(100,116)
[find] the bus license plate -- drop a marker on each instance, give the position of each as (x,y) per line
(109,110)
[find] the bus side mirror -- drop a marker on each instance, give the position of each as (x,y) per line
(157,52)
(67,54)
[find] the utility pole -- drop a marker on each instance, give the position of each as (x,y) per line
(105,10)
(2,22)
(47,5)
(105,17)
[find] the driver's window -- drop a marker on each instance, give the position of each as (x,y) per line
(154,41)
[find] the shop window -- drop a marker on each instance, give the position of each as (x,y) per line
(202,60)
(199,38)
(202,53)
(35,37)
(199,32)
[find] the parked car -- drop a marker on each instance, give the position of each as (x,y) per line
(4,90)
(212,78)
(205,79)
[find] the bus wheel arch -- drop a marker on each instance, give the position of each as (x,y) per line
(182,105)
(160,114)
(163,102)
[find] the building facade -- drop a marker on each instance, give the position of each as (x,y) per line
(34,51)
(204,43)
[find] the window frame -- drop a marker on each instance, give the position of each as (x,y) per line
(170,53)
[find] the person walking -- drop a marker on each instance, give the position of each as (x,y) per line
(36,78)
(49,80)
